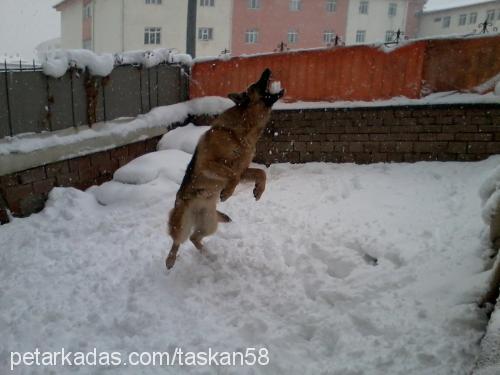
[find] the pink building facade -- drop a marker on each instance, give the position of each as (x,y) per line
(261,25)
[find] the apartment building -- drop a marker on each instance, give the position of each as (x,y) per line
(372,21)
(239,26)
(124,25)
(458,17)
(262,25)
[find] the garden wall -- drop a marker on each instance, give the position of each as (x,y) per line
(382,134)
(25,192)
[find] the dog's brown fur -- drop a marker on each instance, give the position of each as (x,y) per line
(221,160)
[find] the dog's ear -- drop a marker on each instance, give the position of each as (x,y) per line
(240,99)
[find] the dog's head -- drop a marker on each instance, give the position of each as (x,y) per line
(257,93)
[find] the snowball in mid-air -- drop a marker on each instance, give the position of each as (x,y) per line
(275,87)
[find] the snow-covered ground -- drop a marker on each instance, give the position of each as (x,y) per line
(338,269)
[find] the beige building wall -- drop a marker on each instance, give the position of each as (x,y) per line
(171,16)
(219,18)
(71,25)
(106,26)
(377,22)
(433,23)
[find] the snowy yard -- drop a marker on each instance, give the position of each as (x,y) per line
(338,269)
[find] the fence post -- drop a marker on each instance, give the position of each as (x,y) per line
(72,98)
(157,90)
(140,88)
(149,87)
(9,115)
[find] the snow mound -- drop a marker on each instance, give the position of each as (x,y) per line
(70,203)
(57,63)
(490,195)
(490,185)
(185,138)
(152,58)
(169,164)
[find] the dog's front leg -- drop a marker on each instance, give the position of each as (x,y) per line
(226,173)
(258,176)
(229,189)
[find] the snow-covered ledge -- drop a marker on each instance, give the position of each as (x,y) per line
(32,150)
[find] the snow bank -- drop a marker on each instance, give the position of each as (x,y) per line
(170,164)
(58,62)
(489,193)
(157,117)
(185,138)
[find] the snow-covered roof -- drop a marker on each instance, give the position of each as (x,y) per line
(437,5)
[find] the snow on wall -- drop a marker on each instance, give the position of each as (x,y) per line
(57,63)
(160,116)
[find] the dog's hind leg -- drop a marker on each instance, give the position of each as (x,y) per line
(172,255)
(205,224)
(179,227)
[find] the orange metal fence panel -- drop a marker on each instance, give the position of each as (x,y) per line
(358,72)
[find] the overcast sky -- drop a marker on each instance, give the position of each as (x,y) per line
(26,23)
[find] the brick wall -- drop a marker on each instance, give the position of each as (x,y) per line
(388,134)
(26,192)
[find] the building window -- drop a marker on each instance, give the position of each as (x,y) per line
(462,19)
(363,7)
(207,3)
(251,36)
(295,5)
(87,11)
(87,44)
(153,2)
(152,35)
(472,18)
(490,15)
(393,9)
(253,4)
(205,33)
(389,35)
(328,37)
(293,36)
(360,36)
(446,22)
(331,6)
(437,19)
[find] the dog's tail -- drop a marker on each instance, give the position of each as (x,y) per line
(223,218)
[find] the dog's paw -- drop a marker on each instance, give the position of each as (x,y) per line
(225,194)
(258,191)
(170,261)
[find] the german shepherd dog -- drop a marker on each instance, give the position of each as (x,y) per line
(221,159)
